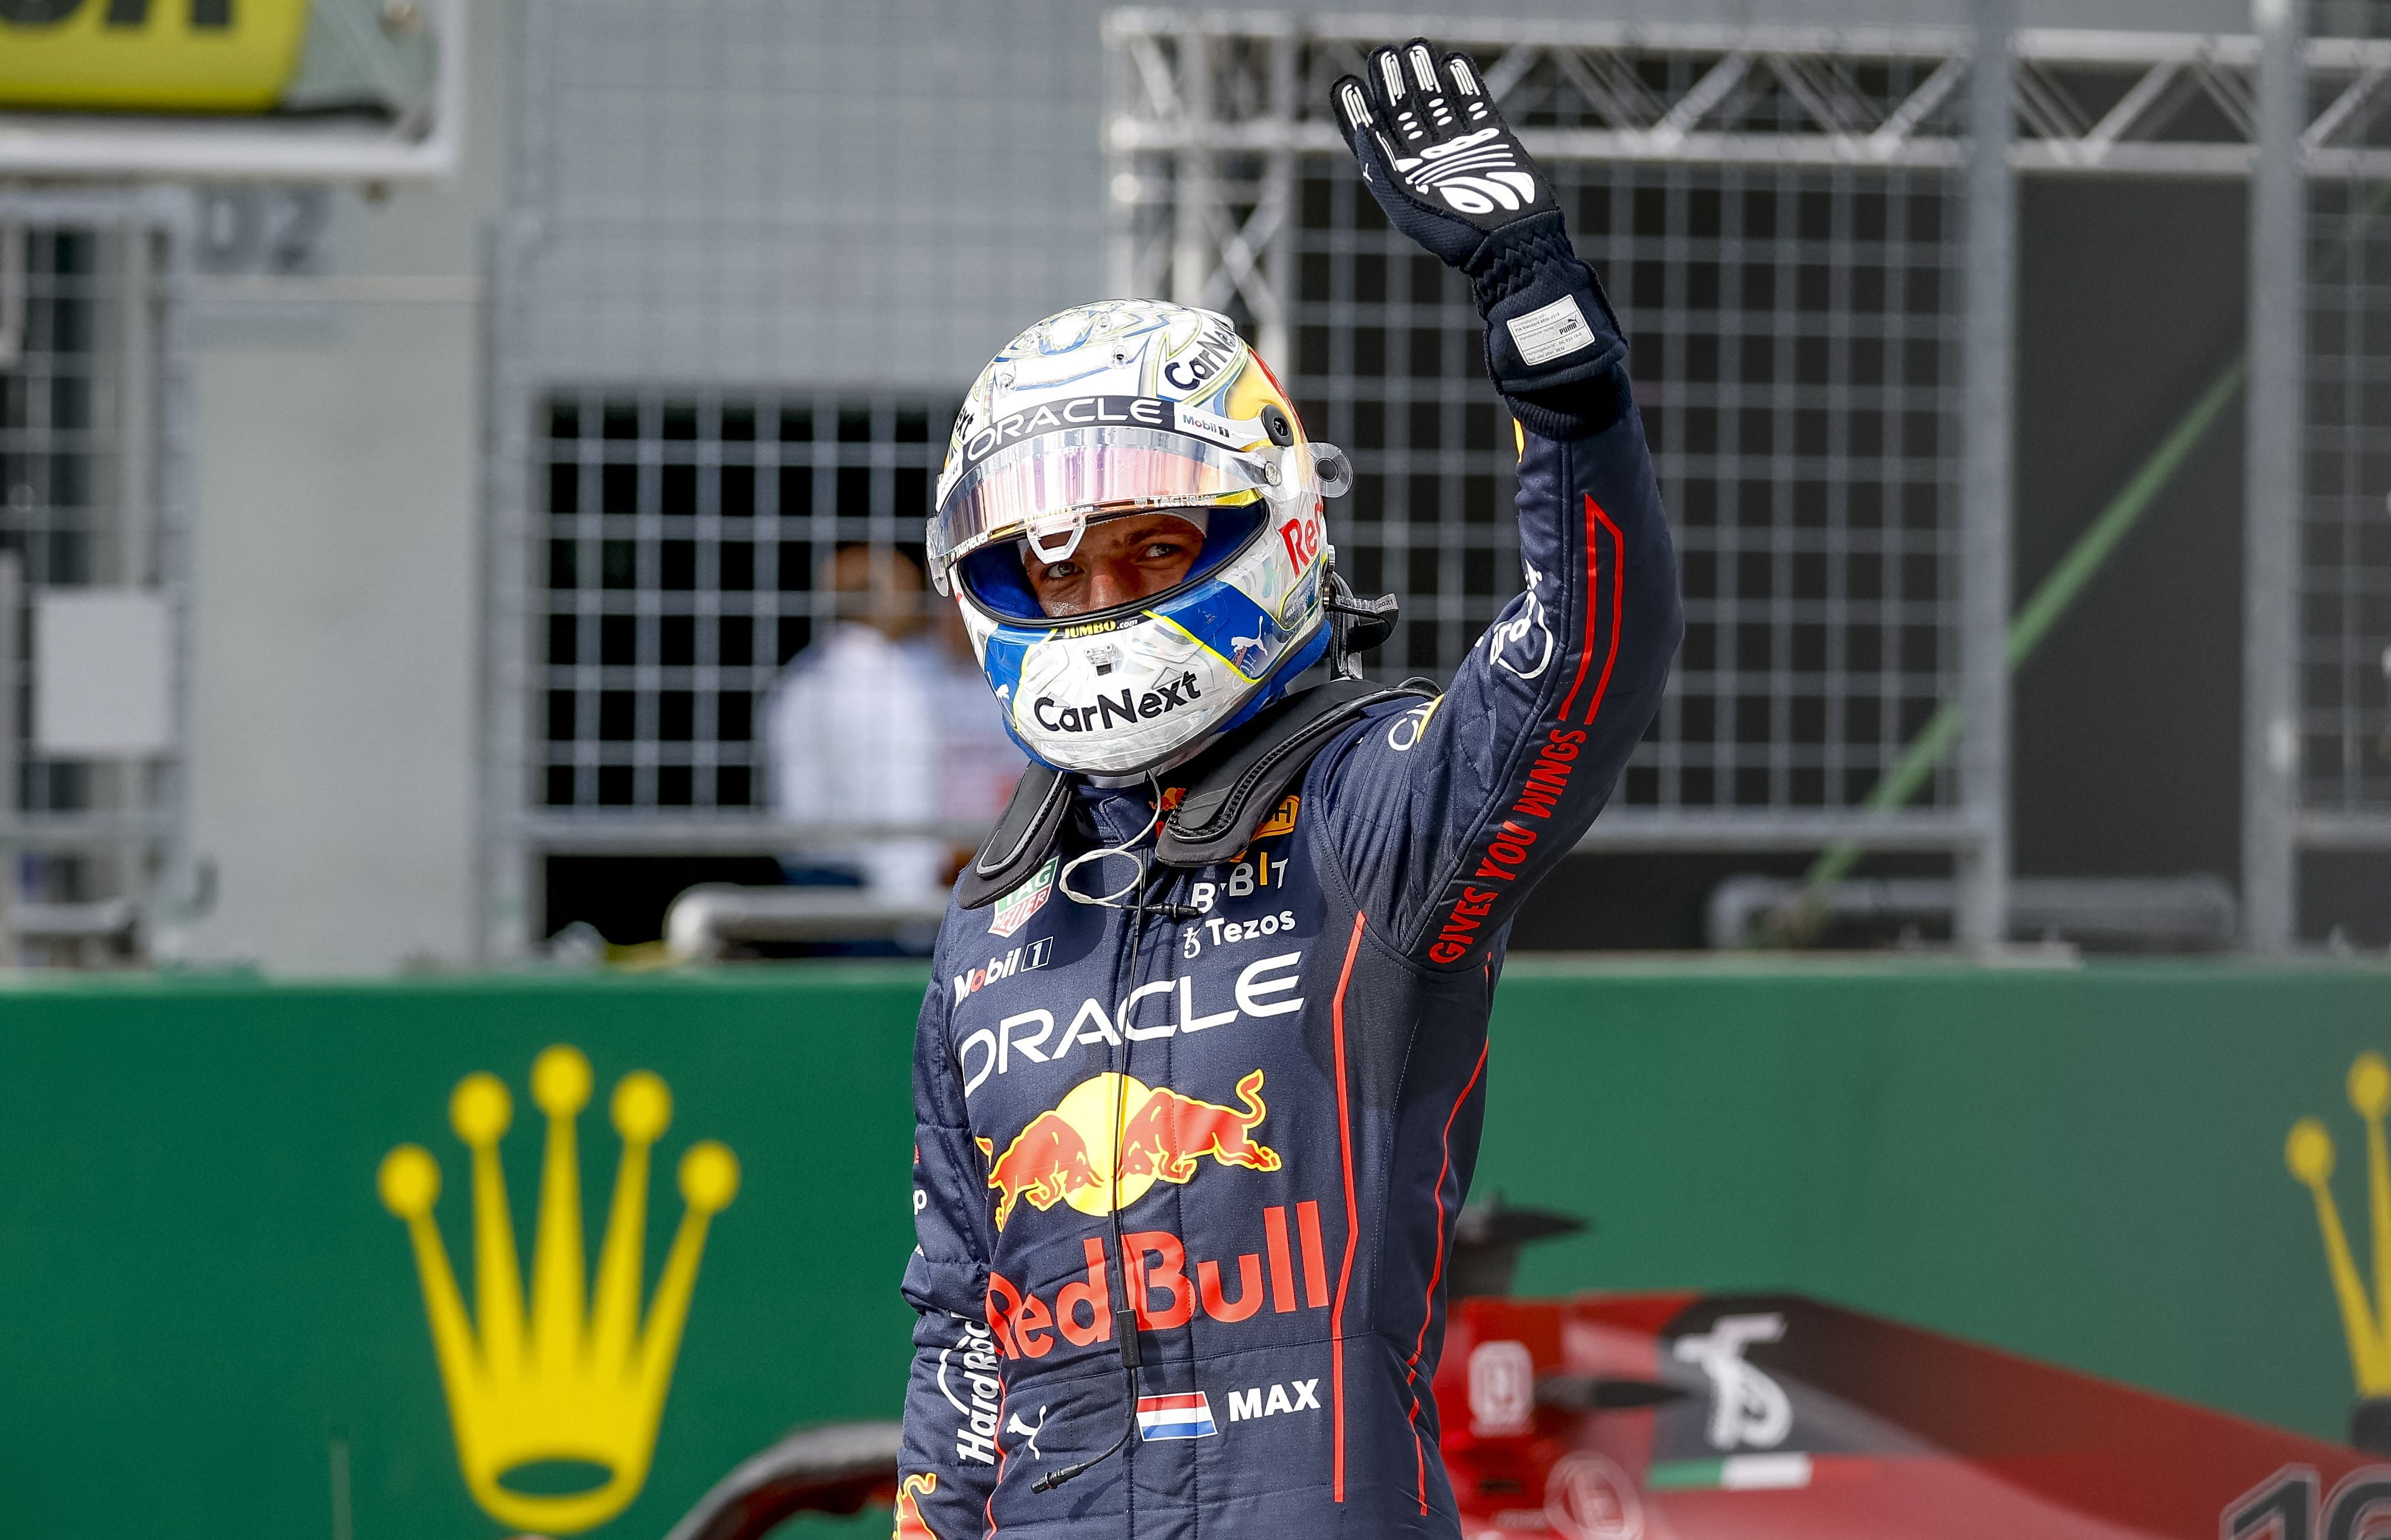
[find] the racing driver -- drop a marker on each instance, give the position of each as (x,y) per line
(1199,1079)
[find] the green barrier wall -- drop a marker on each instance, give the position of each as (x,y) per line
(210,1326)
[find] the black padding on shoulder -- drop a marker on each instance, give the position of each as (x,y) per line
(1041,798)
(1243,779)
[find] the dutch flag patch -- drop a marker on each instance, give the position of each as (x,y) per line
(1174,1417)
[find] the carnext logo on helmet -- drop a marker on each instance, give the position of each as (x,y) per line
(1214,352)
(1130,706)
(1079,411)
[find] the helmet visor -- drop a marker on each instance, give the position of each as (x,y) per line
(1047,489)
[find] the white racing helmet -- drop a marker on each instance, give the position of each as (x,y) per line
(1134,406)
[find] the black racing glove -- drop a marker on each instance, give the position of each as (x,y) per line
(1451,176)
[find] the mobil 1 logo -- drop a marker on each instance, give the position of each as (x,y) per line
(1021,959)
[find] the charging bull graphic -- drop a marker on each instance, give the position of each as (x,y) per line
(909,1525)
(1164,1137)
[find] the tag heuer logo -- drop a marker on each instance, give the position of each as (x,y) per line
(1014,908)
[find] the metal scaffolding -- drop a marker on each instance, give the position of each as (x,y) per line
(1861,578)
(1810,233)
(2270,500)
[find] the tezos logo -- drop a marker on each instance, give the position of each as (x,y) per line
(1230,932)
(1128,706)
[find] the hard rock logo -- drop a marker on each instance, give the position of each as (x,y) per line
(580,1380)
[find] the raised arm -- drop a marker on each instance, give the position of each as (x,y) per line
(1455,808)
(955,1398)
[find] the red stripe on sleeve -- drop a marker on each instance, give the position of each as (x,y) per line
(1428,1305)
(1592,581)
(1419,1455)
(1618,592)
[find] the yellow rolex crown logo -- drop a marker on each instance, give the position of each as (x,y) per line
(2308,1152)
(583,1381)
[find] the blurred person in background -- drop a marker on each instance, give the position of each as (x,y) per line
(885,721)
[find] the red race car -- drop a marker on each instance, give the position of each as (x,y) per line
(1690,1416)
(1754,1416)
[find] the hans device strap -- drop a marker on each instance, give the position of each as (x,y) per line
(1041,799)
(1239,781)
(1248,774)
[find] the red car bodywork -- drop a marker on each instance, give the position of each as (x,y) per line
(1801,1421)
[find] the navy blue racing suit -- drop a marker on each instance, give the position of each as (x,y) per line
(1305,1070)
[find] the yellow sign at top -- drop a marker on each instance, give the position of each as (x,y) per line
(149,56)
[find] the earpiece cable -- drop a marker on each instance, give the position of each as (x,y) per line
(1125,1316)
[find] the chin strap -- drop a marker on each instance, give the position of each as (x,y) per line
(1355,625)
(1230,790)
(1248,774)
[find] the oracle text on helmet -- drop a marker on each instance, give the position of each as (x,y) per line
(1079,411)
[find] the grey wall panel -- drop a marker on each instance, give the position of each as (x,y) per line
(871,194)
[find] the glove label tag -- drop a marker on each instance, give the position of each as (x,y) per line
(1551,331)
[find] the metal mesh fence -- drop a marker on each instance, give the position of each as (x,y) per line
(682,537)
(61,398)
(2345,565)
(2344,621)
(79,462)
(1795,337)
(693,245)
(53,469)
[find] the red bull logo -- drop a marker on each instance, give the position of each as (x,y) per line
(1046,1163)
(1163,1137)
(1168,1287)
